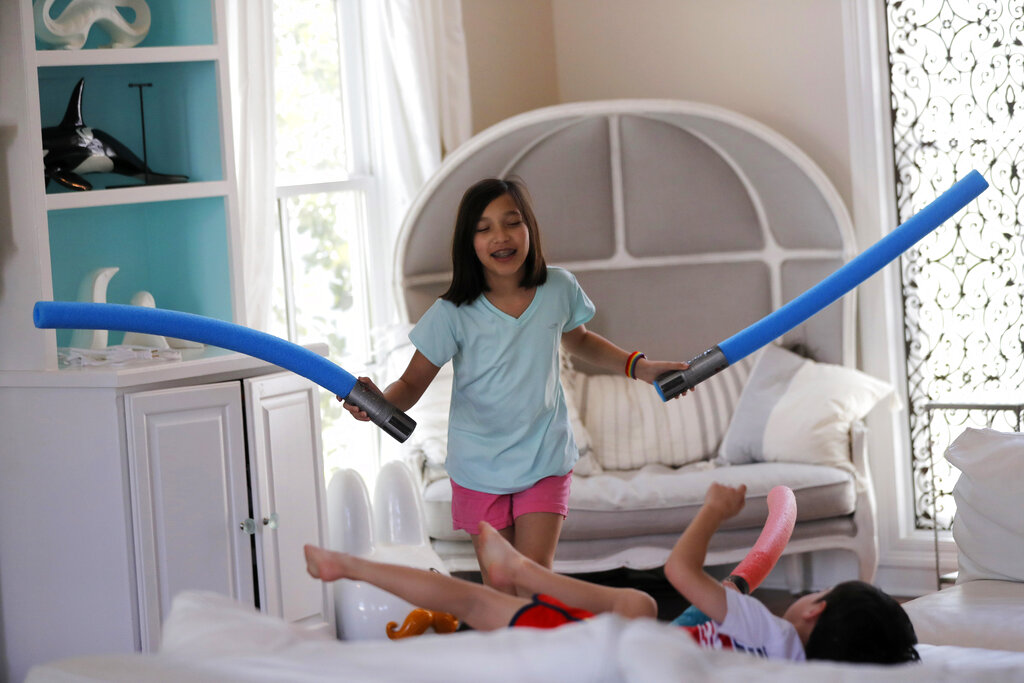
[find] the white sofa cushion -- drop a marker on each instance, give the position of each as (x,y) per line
(793,409)
(988,614)
(631,426)
(989,524)
(660,500)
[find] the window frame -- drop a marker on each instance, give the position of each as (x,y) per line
(355,99)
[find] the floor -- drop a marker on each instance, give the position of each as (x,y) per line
(670,603)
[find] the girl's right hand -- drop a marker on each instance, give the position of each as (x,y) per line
(356,411)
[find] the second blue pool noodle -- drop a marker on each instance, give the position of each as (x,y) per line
(847,277)
(867,263)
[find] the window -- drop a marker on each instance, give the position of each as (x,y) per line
(325,199)
(957,83)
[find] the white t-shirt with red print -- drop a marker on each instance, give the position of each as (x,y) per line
(750,627)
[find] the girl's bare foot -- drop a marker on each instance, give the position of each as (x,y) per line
(323,564)
(499,559)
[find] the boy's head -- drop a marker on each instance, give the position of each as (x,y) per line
(854,622)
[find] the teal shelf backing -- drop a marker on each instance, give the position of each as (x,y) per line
(181,110)
(177,250)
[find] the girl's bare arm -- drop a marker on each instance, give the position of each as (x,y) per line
(596,350)
(404,392)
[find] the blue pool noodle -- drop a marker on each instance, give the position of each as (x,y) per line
(850,275)
(280,352)
(86,316)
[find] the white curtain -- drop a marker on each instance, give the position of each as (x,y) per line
(250,32)
(419,110)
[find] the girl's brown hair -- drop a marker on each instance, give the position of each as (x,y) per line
(468,281)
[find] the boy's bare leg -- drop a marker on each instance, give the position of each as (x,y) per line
(534,535)
(509,570)
(482,607)
(508,533)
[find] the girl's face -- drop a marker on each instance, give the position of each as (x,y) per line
(502,239)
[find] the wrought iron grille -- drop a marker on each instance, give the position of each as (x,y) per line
(957,75)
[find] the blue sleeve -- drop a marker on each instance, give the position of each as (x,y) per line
(434,334)
(581,309)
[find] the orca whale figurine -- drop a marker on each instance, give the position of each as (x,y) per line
(72,149)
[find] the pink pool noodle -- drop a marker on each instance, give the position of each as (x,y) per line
(749,573)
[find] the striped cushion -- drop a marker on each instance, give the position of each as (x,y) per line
(630,426)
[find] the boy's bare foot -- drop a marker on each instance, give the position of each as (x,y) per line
(323,564)
(499,559)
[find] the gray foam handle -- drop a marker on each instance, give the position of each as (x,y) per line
(389,418)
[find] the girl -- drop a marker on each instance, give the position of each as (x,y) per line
(510,445)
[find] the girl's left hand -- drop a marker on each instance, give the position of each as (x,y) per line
(649,370)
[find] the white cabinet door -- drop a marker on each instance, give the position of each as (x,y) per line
(283,418)
(186,460)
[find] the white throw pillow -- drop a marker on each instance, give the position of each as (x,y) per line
(630,426)
(572,381)
(989,523)
(796,410)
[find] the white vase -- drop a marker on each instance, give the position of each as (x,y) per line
(93,289)
(70,29)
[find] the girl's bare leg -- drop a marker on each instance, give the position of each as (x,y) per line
(482,607)
(536,536)
(510,570)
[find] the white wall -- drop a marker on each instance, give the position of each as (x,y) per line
(800,67)
(781,62)
(511,49)
(778,62)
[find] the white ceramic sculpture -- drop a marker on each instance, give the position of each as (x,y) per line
(156,341)
(399,536)
(93,289)
(144,298)
(70,29)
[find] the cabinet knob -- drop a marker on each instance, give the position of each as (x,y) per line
(249,525)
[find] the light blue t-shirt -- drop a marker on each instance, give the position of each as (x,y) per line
(508,425)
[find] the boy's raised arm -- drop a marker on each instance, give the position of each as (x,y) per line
(685,566)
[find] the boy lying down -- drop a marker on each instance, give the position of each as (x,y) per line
(852,622)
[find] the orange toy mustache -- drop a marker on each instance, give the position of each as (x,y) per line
(419,620)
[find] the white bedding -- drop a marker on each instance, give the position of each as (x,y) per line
(211,638)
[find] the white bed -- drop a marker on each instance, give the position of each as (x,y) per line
(210,638)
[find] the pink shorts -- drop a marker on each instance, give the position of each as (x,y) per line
(469,507)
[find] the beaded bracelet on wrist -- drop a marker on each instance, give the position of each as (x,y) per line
(631,362)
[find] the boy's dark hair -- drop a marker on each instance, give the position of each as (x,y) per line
(861,623)
(468,280)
